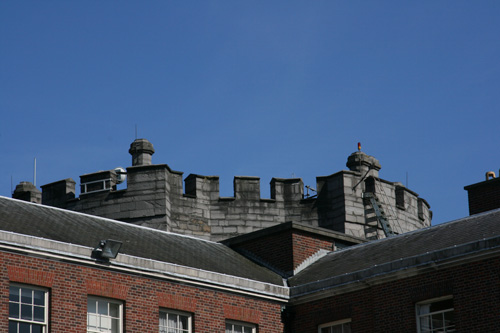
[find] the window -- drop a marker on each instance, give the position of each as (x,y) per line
(238,327)
(104,315)
(436,315)
(28,309)
(175,322)
(339,326)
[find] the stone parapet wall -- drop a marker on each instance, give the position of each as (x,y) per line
(155,197)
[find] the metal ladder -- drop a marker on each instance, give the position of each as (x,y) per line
(380,214)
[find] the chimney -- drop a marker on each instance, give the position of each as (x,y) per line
(28,192)
(484,196)
(141,150)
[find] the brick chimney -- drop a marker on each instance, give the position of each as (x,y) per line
(484,196)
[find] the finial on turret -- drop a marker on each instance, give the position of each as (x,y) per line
(359,146)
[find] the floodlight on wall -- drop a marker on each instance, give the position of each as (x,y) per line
(107,249)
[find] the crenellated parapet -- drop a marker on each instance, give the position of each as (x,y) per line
(157,196)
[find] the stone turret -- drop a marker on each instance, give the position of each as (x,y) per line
(142,151)
(363,163)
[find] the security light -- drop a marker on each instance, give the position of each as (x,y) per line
(107,249)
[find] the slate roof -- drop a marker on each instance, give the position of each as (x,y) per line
(86,230)
(476,228)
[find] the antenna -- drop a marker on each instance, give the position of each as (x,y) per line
(136,131)
(34,173)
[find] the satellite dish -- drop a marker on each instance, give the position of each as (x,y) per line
(121,175)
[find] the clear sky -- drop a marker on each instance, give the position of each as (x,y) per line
(255,88)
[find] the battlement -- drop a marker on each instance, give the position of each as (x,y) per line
(158,197)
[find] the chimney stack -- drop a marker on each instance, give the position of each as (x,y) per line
(28,192)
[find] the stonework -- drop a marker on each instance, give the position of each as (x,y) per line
(154,197)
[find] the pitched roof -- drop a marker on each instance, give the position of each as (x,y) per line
(457,238)
(86,230)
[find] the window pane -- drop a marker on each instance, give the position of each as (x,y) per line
(26,312)
(183,322)
(24,328)
(437,321)
(102,307)
(449,320)
(39,314)
(14,294)
(91,306)
(163,320)
(13,310)
(114,310)
(115,325)
(91,320)
(26,296)
(36,328)
(38,297)
(105,322)
(172,320)
(425,324)
(441,305)
(12,327)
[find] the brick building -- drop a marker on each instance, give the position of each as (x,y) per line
(53,279)
(57,275)
(356,201)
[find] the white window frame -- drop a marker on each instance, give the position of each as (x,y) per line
(336,324)
(20,321)
(419,315)
(169,312)
(101,317)
(246,327)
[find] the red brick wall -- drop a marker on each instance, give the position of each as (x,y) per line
(288,249)
(70,285)
(305,246)
(390,307)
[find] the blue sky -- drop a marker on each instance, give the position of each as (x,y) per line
(257,88)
